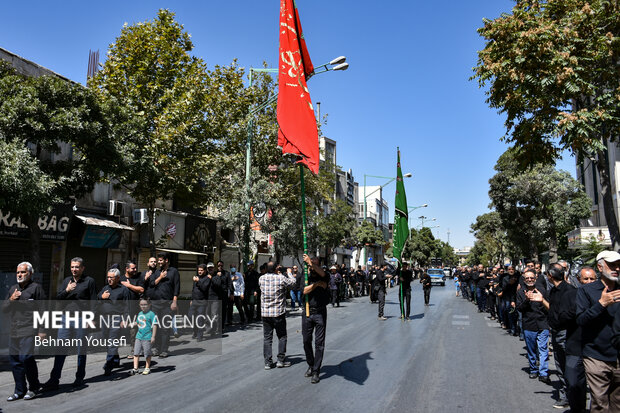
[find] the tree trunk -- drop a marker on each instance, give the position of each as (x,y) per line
(608,202)
(553,248)
(35,242)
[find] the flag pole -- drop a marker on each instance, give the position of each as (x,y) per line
(304,231)
(400,278)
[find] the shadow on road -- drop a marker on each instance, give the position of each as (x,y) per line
(354,369)
(416,316)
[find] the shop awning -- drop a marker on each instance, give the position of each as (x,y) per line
(98,222)
(181,251)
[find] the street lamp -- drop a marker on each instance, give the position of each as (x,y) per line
(413,208)
(407,175)
(422,218)
(338,63)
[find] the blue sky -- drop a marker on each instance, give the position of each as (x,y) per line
(407,84)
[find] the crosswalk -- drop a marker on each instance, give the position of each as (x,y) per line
(460,320)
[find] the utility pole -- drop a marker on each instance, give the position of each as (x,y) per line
(448,236)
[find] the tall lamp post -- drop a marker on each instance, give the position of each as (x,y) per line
(422,218)
(338,63)
(413,208)
(407,175)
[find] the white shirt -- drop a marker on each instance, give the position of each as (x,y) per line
(238,284)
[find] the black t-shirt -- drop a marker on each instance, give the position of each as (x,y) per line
(21,310)
(406,276)
(117,302)
(167,288)
(319,297)
(83,296)
(137,281)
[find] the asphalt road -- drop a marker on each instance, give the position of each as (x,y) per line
(448,358)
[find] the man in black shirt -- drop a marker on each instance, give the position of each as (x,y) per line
(251,291)
(533,305)
(163,288)
(198,305)
(380,279)
(317,295)
(404,279)
(597,304)
(228,292)
(557,306)
(113,304)
(81,294)
(134,282)
(23,298)
(425,280)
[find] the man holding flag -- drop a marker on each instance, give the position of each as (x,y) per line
(298,135)
(404,279)
(401,234)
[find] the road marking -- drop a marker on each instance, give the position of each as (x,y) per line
(460,316)
(460,323)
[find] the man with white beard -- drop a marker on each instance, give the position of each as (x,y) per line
(596,307)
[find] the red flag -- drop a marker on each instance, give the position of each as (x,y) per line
(298,133)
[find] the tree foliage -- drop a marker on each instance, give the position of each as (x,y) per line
(537,206)
(421,246)
(57,142)
(552,67)
(337,226)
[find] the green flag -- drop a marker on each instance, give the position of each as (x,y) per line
(401,224)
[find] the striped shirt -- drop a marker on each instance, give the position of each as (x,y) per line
(273,289)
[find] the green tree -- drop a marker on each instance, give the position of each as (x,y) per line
(479,254)
(537,206)
(552,67)
(182,114)
(590,250)
(446,254)
(57,144)
(489,227)
(364,235)
(334,228)
(422,246)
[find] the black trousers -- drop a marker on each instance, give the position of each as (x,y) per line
(113,332)
(335,297)
(575,375)
(249,303)
(317,324)
(162,310)
(558,339)
(465,290)
(427,295)
(239,304)
(406,307)
(270,324)
(23,364)
(381,298)
(198,308)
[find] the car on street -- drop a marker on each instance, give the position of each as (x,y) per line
(437,276)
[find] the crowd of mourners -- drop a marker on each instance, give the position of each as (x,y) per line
(152,296)
(571,314)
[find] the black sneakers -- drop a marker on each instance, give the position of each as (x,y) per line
(315,378)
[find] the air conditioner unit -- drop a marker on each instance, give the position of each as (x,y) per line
(115,208)
(140,216)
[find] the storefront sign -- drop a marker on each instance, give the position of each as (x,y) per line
(54,226)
